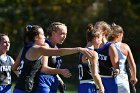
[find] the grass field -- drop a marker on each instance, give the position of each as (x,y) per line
(72,88)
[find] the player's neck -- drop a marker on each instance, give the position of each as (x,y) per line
(53,42)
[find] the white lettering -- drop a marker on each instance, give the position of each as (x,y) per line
(102,57)
(5,68)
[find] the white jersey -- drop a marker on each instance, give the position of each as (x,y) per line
(5,70)
(122,78)
(122,58)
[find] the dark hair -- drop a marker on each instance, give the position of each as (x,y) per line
(92,32)
(53,27)
(116,29)
(1,36)
(30,32)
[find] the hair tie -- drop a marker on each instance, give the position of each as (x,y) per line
(29,27)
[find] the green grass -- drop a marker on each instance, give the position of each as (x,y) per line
(72,88)
(12,87)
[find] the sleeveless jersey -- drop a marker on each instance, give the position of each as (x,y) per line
(105,65)
(122,58)
(5,71)
(122,78)
(87,84)
(28,71)
(84,70)
(54,61)
(48,83)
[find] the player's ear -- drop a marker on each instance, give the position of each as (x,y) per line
(36,38)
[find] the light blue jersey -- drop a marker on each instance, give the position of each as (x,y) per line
(122,78)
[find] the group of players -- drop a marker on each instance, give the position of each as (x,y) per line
(110,63)
(101,62)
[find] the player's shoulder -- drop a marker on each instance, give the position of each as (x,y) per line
(125,45)
(12,60)
(46,45)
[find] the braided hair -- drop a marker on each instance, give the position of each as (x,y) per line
(54,27)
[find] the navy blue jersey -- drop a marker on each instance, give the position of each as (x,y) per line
(5,71)
(28,71)
(84,71)
(105,65)
(54,61)
(48,83)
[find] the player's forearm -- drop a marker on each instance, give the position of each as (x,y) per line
(133,71)
(98,82)
(50,70)
(60,51)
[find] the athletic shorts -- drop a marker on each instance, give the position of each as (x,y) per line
(18,91)
(5,88)
(109,84)
(123,84)
(87,86)
(47,84)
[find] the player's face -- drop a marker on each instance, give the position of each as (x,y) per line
(97,40)
(5,44)
(60,35)
(40,39)
(120,36)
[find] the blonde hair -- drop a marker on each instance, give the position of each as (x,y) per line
(104,27)
(116,29)
(54,27)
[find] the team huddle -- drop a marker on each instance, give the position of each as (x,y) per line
(102,63)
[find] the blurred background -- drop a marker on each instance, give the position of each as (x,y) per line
(76,14)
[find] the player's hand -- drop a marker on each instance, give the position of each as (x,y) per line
(66,73)
(133,85)
(88,53)
(134,80)
(115,72)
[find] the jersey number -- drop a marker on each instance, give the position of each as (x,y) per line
(80,67)
(21,66)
